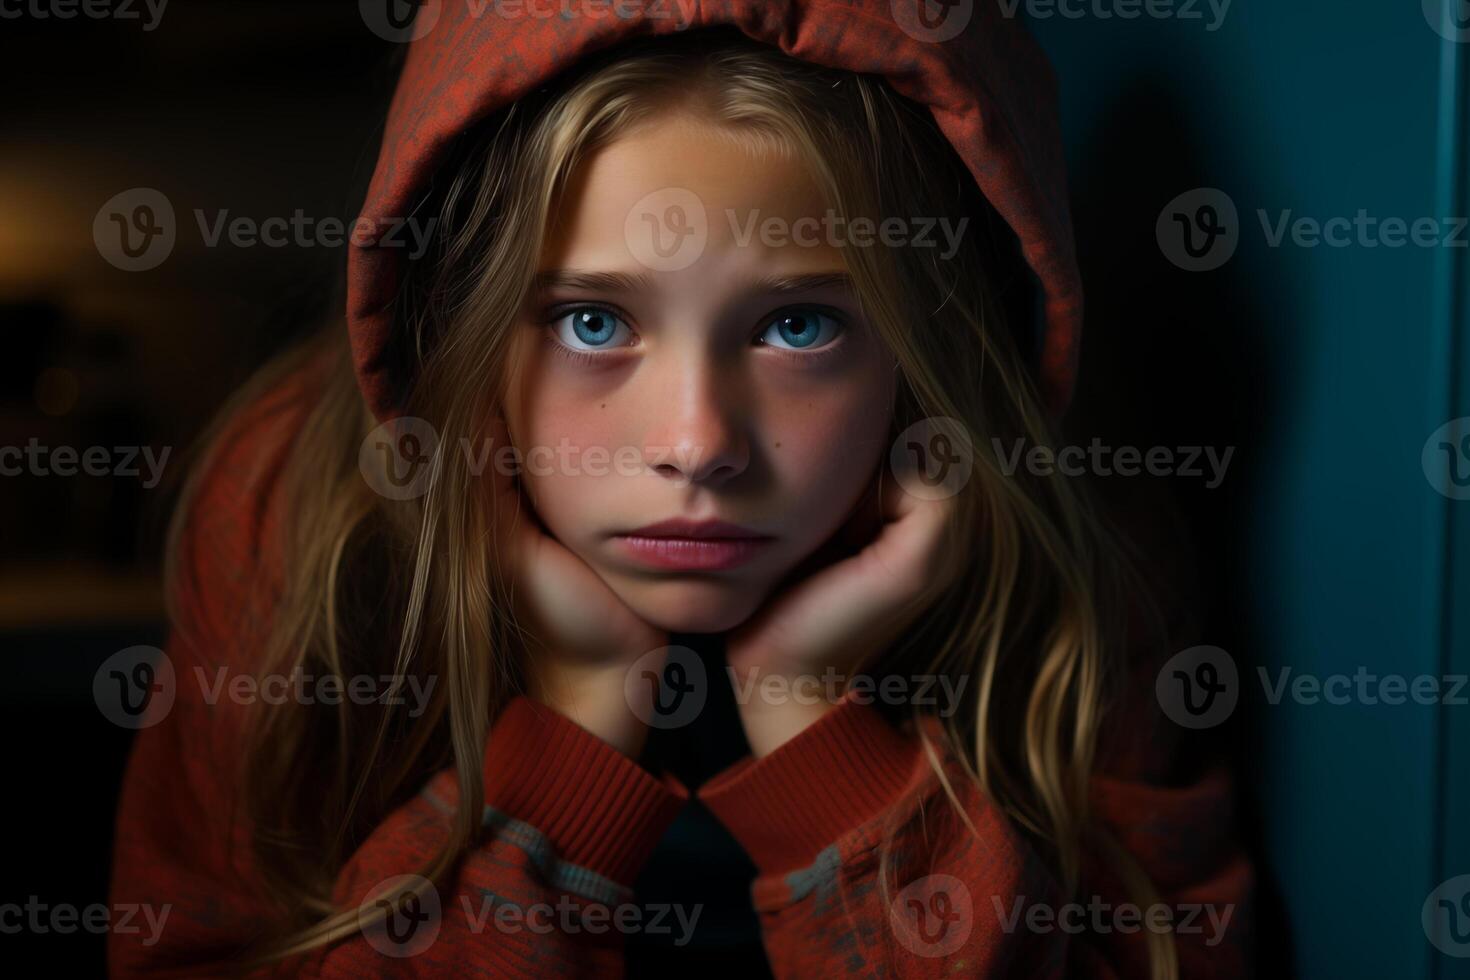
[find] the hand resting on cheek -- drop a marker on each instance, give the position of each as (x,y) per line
(889,561)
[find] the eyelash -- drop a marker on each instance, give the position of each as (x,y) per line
(809,357)
(571,353)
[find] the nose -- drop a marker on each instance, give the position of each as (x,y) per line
(698,431)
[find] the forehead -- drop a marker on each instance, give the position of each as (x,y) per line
(679,175)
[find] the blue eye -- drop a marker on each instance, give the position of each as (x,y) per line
(590,328)
(801,329)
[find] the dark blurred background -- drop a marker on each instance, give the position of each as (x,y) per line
(1326,369)
(257,109)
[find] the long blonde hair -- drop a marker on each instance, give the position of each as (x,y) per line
(413,587)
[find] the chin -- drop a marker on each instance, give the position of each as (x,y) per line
(691,605)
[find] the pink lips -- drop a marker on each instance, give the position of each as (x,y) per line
(685,545)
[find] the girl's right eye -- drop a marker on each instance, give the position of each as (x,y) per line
(590,328)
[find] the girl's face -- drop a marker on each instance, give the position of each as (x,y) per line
(720,371)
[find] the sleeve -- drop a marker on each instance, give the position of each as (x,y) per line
(568,823)
(961,893)
(863,869)
(568,819)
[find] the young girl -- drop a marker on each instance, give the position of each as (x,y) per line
(732,282)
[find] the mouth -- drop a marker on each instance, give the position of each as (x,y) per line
(683,545)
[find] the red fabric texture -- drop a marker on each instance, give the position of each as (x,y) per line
(769,805)
(602,812)
(990,89)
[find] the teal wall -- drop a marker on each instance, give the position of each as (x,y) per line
(1345,360)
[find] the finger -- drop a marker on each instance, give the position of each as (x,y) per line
(917,545)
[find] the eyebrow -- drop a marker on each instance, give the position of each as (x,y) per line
(622,282)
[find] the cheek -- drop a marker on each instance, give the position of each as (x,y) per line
(824,447)
(553,427)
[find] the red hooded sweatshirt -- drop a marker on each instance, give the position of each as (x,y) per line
(569,821)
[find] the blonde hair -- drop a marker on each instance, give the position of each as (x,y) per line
(413,587)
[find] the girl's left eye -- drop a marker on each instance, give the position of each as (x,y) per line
(590,328)
(801,329)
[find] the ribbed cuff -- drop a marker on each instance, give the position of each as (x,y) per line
(843,770)
(599,809)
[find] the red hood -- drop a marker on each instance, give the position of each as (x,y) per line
(989,87)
